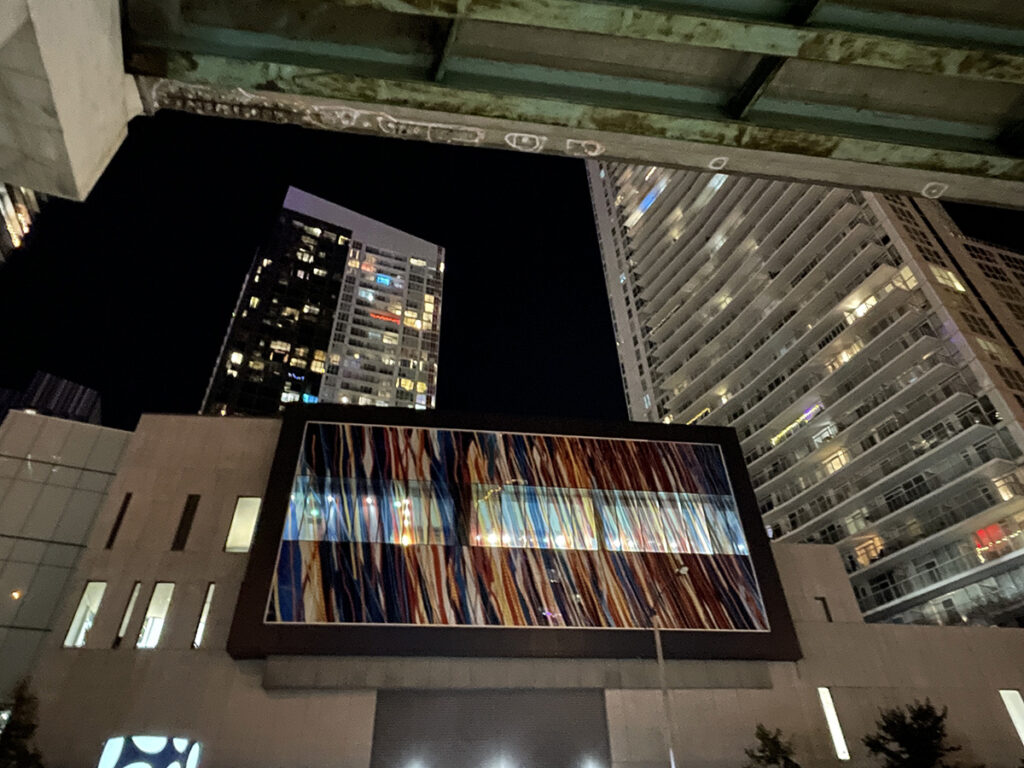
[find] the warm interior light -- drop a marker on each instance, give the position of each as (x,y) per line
(16,594)
(1015,707)
(834,728)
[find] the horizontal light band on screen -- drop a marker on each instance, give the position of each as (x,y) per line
(514,515)
(399,525)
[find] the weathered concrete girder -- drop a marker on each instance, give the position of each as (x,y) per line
(873,93)
(677,28)
(431,112)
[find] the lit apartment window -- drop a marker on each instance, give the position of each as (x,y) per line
(947,278)
(1015,706)
(203,616)
(156,615)
(834,728)
(128,611)
(243,524)
(837,461)
(86,613)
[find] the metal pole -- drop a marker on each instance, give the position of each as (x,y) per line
(667,730)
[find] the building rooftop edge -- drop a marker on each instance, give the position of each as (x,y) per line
(362,226)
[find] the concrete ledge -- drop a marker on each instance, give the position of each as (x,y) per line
(376,672)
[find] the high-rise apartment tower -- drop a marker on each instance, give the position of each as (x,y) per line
(867,354)
(337,308)
(18,207)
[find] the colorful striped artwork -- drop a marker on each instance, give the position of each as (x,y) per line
(415,526)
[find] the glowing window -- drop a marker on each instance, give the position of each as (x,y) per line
(834,728)
(88,606)
(947,278)
(837,461)
(243,524)
(1015,707)
(203,616)
(1007,488)
(156,615)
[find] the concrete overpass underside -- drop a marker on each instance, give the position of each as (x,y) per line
(920,96)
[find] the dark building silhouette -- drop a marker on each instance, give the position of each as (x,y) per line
(53,396)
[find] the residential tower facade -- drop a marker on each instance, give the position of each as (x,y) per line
(18,208)
(877,397)
(337,308)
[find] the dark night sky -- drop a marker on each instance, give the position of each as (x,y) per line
(131,292)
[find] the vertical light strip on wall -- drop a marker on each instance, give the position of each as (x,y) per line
(832,718)
(128,610)
(201,626)
(243,524)
(1015,706)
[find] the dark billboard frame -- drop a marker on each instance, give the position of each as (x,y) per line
(252,637)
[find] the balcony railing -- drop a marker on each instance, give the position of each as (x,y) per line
(1011,540)
(920,406)
(879,506)
(916,445)
(899,535)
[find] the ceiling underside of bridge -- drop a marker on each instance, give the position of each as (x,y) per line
(921,96)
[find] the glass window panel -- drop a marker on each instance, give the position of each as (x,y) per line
(345,509)
(661,521)
(243,524)
(156,615)
(516,515)
(203,616)
(128,611)
(88,606)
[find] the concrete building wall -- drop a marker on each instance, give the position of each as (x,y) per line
(66,101)
(53,478)
(323,711)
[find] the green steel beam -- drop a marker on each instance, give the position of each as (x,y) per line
(768,68)
(633,22)
(755,86)
(586,119)
(441,65)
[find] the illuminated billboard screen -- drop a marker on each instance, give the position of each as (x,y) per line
(418,527)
